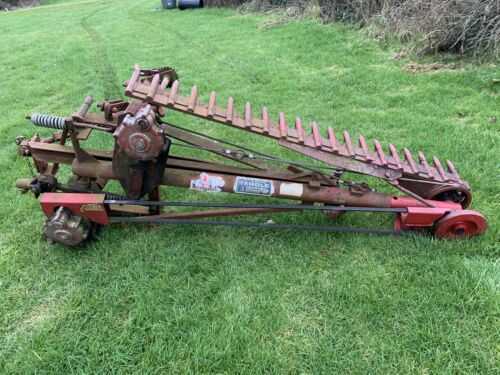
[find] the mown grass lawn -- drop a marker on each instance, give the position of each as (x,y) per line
(202,300)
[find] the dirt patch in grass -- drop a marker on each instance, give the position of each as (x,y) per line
(426,68)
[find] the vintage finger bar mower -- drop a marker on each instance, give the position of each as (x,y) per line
(432,196)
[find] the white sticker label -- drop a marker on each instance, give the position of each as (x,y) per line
(292,190)
(205,182)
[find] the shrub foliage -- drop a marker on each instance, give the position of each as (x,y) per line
(463,26)
(13,4)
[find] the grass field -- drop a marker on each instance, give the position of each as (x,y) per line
(211,300)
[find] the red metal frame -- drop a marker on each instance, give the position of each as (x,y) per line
(93,208)
(90,206)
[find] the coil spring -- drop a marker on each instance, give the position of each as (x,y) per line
(48,121)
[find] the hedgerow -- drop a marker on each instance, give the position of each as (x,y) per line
(460,26)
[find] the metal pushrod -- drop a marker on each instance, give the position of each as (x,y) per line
(260,155)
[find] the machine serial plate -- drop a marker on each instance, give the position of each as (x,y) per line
(253,186)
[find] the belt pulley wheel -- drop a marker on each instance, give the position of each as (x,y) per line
(460,224)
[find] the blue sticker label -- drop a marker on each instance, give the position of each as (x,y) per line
(253,186)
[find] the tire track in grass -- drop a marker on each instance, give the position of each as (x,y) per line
(217,50)
(104,69)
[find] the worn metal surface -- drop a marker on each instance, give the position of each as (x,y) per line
(66,228)
(459,224)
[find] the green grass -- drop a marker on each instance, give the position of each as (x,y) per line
(211,300)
